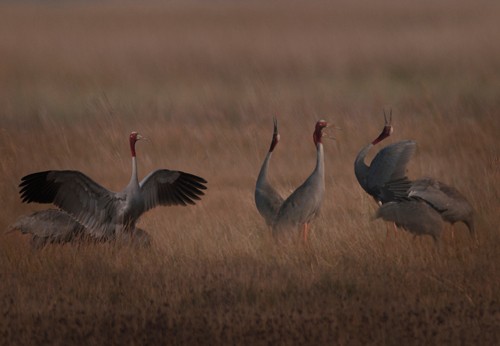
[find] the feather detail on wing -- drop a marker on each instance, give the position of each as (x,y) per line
(86,201)
(165,187)
(444,198)
(390,164)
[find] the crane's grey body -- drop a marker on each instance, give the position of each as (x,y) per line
(304,204)
(385,179)
(49,226)
(56,226)
(106,214)
(415,216)
(448,201)
(267,199)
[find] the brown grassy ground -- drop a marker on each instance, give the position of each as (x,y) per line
(202,80)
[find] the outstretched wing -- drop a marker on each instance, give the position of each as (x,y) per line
(87,202)
(165,187)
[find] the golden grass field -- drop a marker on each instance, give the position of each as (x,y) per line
(202,80)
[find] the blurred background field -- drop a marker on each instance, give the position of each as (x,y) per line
(202,80)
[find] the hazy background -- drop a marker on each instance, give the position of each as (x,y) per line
(202,80)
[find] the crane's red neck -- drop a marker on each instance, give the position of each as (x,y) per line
(274,142)
(134,137)
(276,136)
(386,132)
(318,134)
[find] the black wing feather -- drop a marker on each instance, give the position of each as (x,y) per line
(166,187)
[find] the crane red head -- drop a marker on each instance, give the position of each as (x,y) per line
(318,131)
(386,131)
(134,137)
(276,135)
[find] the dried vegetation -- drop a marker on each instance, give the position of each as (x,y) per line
(203,80)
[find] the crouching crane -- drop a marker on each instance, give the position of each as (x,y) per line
(106,214)
(54,226)
(446,200)
(428,204)
(413,215)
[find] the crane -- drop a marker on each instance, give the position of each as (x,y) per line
(303,205)
(106,214)
(385,179)
(56,226)
(446,200)
(267,199)
(413,215)
(48,226)
(427,202)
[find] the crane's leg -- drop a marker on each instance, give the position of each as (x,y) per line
(305,232)
(395,230)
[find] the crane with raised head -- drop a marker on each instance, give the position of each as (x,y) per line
(104,213)
(385,179)
(304,204)
(267,199)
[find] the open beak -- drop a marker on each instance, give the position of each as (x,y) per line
(328,136)
(388,121)
(139,137)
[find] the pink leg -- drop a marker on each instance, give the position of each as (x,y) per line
(305,232)
(395,230)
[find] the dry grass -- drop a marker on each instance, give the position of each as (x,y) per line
(202,80)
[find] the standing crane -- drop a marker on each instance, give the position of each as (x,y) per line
(303,205)
(385,179)
(106,214)
(267,199)
(446,200)
(56,226)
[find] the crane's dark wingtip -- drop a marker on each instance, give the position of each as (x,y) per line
(36,187)
(194,180)
(197,178)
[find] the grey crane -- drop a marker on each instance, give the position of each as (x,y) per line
(385,179)
(49,226)
(56,226)
(446,200)
(413,215)
(267,199)
(106,214)
(303,205)
(428,204)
